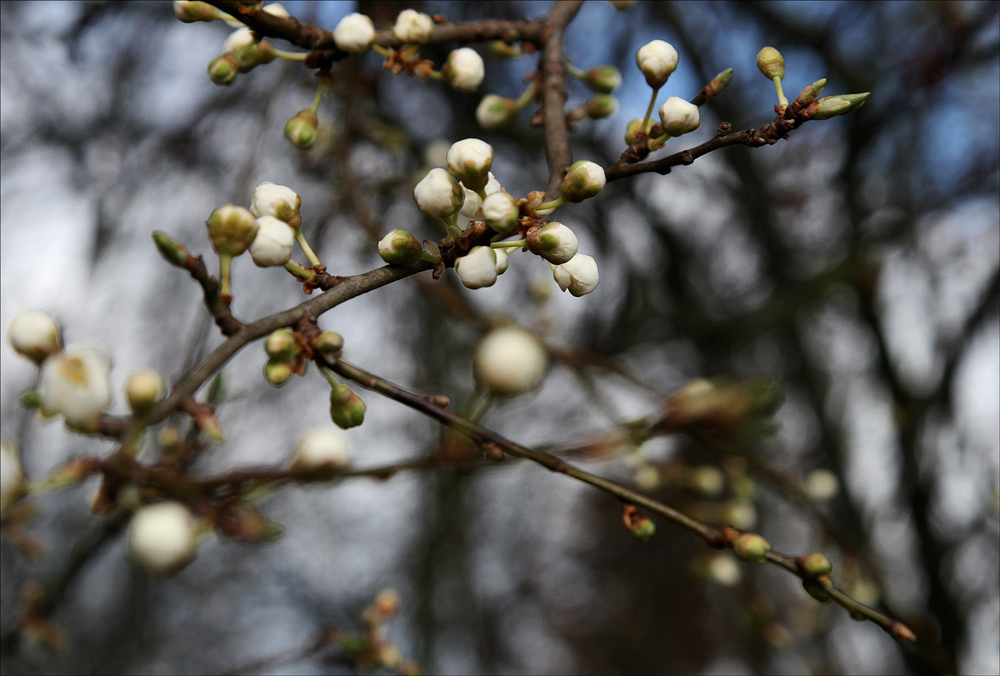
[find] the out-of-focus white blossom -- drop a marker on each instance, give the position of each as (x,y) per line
(162,537)
(241,37)
(509,361)
(144,389)
(321,447)
(354,33)
(464,69)
(75,384)
(413,27)
(34,334)
(496,112)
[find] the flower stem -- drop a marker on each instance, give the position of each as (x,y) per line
(782,101)
(225,267)
(528,95)
(649,110)
(323,86)
(306,249)
(380,50)
(574,71)
(546,208)
(291,56)
(657,143)
(516,244)
(294,267)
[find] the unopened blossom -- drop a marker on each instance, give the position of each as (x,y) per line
(321,447)
(439,194)
(413,27)
(478,268)
(509,361)
(583,180)
(144,389)
(496,112)
(771,63)
(34,334)
(657,60)
(190,11)
(469,161)
(604,79)
(273,244)
(241,37)
(271,199)
(231,229)
(679,116)
(501,256)
(464,69)
(163,537)
(399,247)
(579,275)
(302,129)
(472,208)
(500,212)
(554,242)
(75,384)
(354,33)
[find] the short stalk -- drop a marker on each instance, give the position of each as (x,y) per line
(291,56)
(306,249)
(380,50)
(225,267)
(657,143)
(435,75)
(516,244)
(546,208)
(649,109)
(528,95)
(430,258)
(335,385)
(296,269)
(575,72)
(782,101)
(320,91)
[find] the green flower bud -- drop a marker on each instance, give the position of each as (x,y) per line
(252,55)
(328,342)
(816,590)
(496,112)
(222,70)
(346,408)
(277,373)
(603,79)
(771,63)
(600,106)
(751,547)
(301,129)
(815,564)
(281,345)
(231,229)
(399,248)
(171,250)
(583,180)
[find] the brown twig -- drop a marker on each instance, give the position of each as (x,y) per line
(557,150)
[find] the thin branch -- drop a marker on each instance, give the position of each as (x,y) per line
(714,537)
(557,150)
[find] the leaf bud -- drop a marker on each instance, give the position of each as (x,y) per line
(603,79)
(554,242)
(281,345)
(831,106)
(714,88)
(301,129)
(469,161)
(600,106)
(273,244)
(346,408)
(399,247)
(509,361)
(771,63)
(679,116)
(496,112)
(190,11)
(478,268)
(500,211)
(34,334)
(143,390)
(163,537)
(583,180)
(439,194)
(321,447)
(580,275)
(355,33)
(412,27)
(809,94)
(751,547)
(172,251)
(464,69)
(277,373)
(222,70)
(638,524)
(231,229)
(657,60)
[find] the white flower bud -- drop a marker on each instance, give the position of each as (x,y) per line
(321,447)
(439,195)
(231,229)
(281,345)
(469,161)
(464,69)
(76,385)
(509,361)
(554,242)
(472,207)
(144,389)
(583,180)
(679,116)
(413,27)
(723,569)
(478,268)
(354,33)
(273,244)
(162,537)
(496,112)
(822,485)
(34,334)
(276,9)
(579,275)
(11,477)
(501,255)
(657,60)
(500,212)
(270,199)
(241,37)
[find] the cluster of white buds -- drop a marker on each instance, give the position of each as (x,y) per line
(413,27)
(679,116)
(163,538)
(464,69)
(509,361)
(278,220)
(657,60)
(355,33)
(320,447)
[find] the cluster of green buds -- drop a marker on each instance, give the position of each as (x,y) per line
(241,52)
(771,64)
(603,80)
(466,197)
(743,408)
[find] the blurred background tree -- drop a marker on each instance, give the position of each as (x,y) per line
(855,263)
